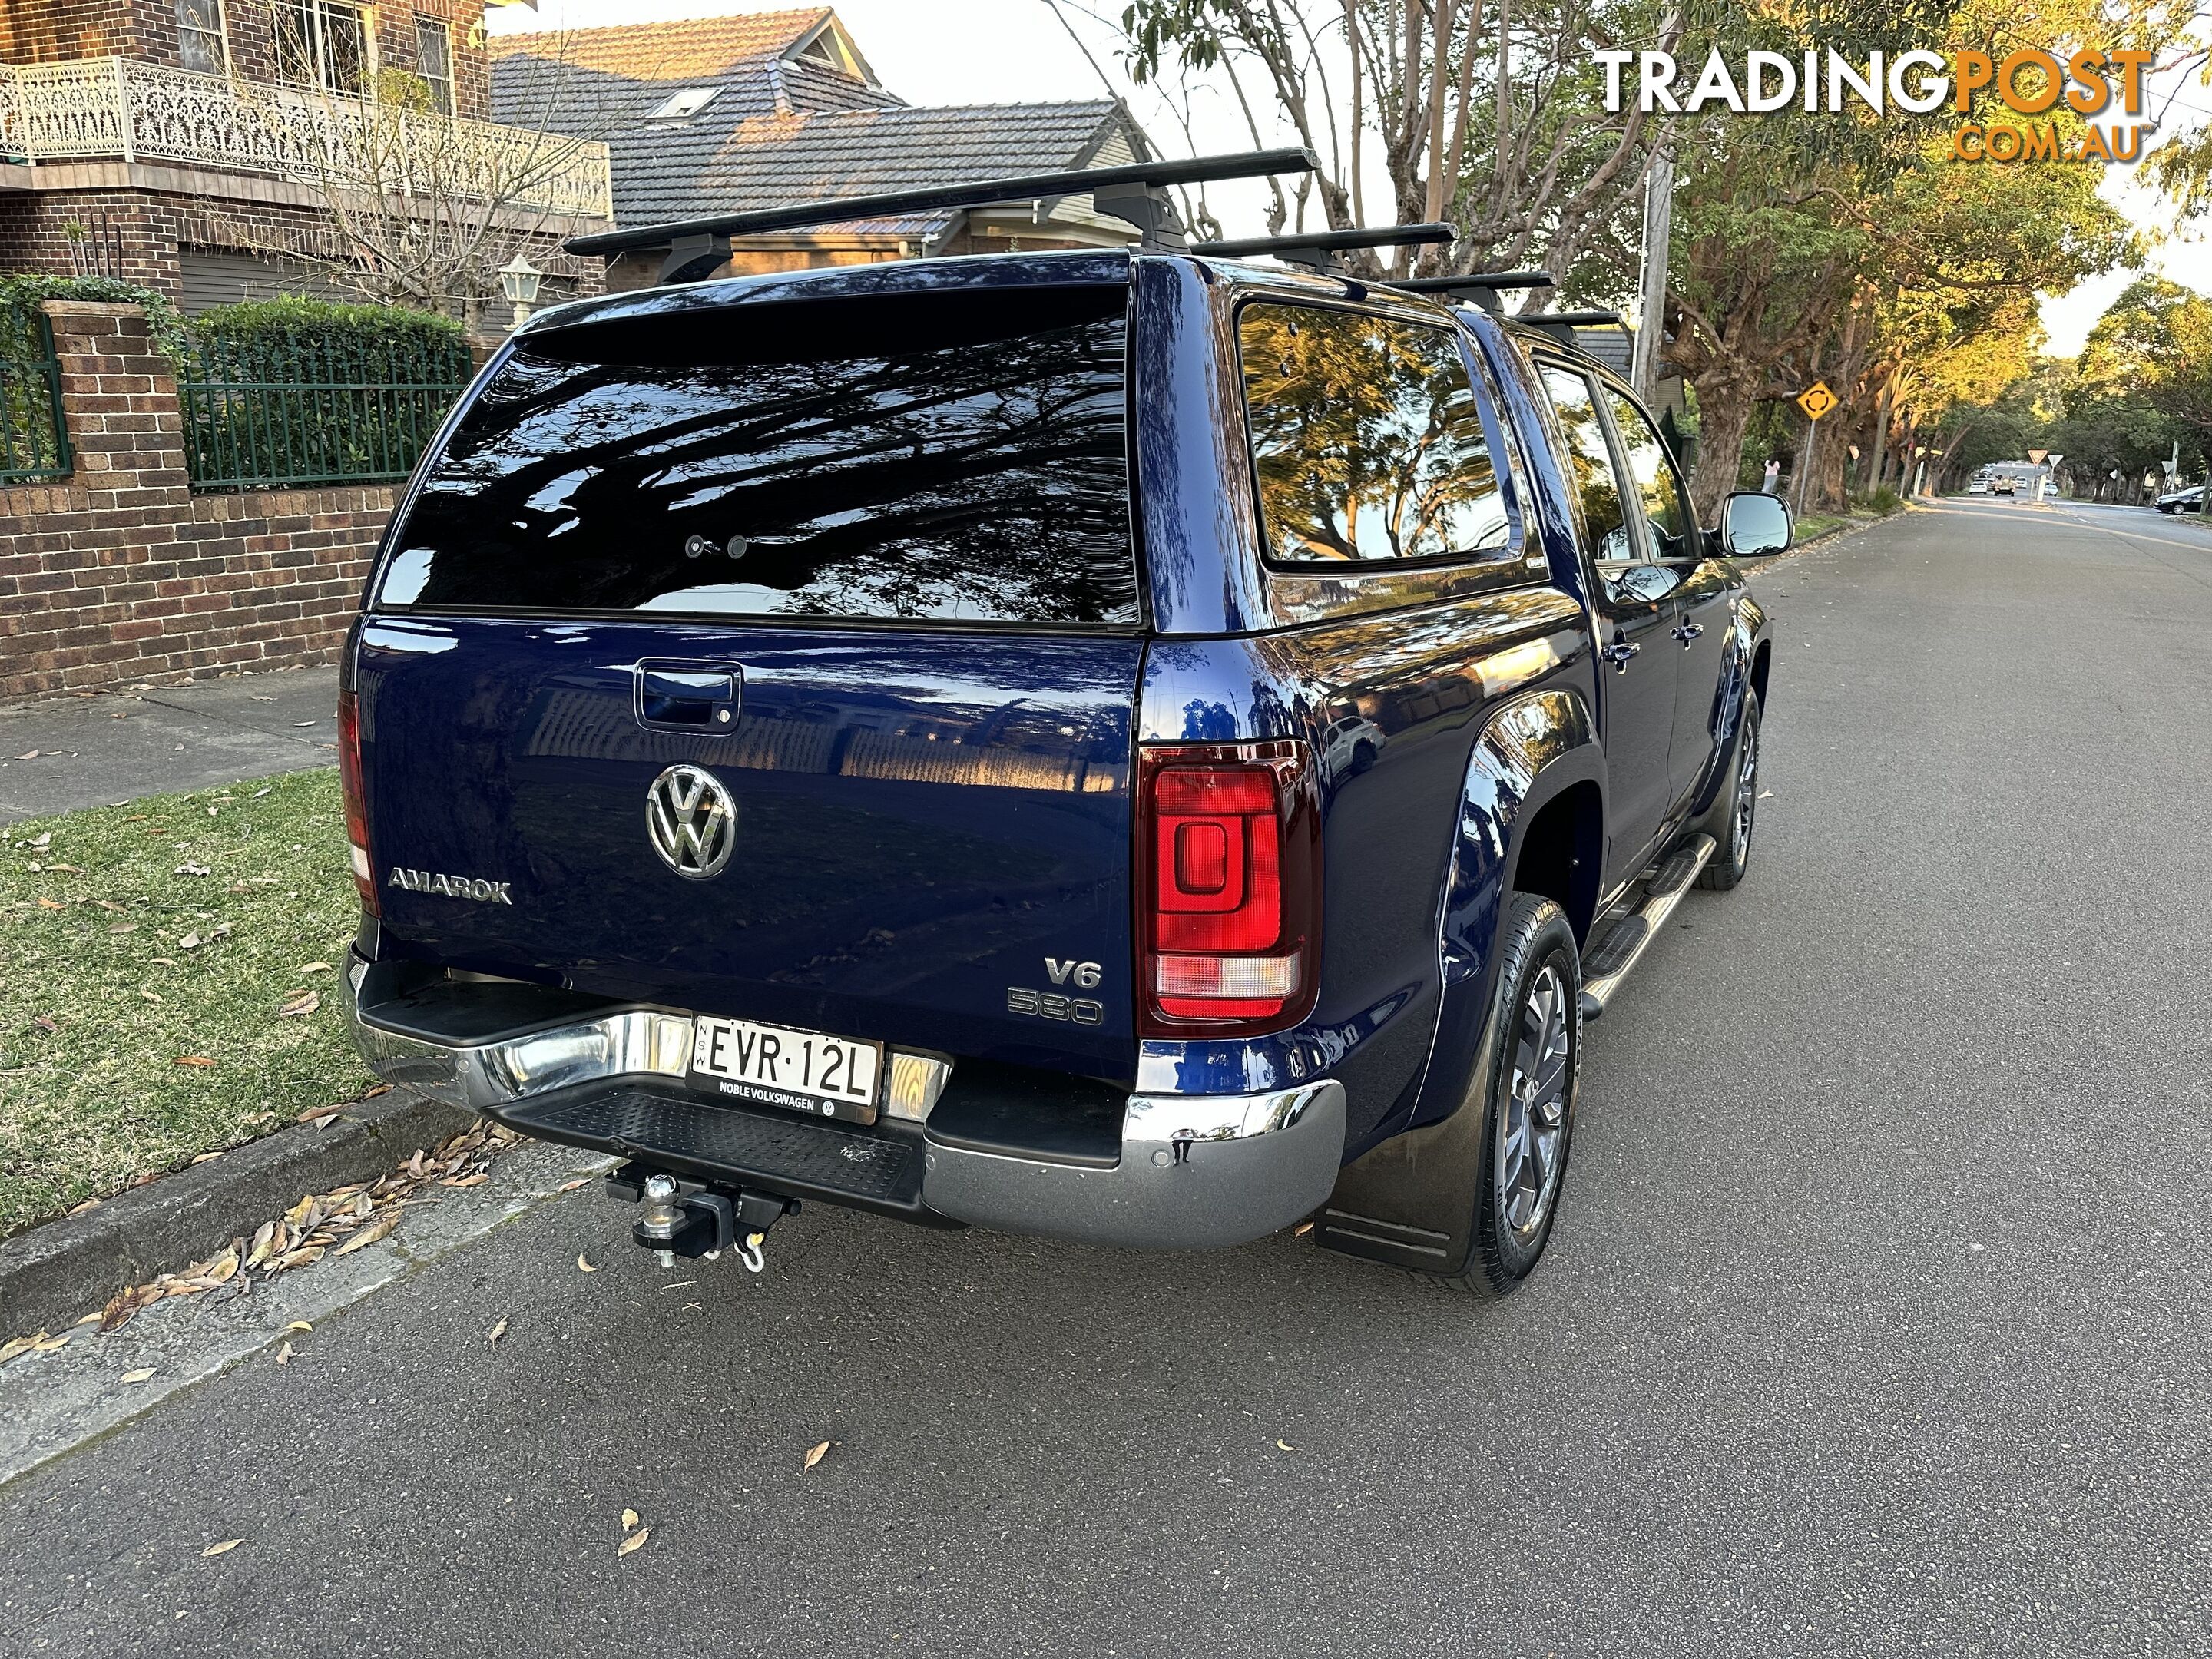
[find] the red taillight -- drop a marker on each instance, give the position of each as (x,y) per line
(1229,890)
(356,810)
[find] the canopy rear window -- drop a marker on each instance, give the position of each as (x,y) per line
(933,457)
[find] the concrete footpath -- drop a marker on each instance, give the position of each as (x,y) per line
(62,752)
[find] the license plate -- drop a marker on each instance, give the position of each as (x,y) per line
(775,1066)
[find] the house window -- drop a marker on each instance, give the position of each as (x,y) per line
(321,43)
(681,106)
(433,60)
(201,43)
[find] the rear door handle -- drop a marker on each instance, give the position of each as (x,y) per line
(1619,652)
(686,698)
(1688,632)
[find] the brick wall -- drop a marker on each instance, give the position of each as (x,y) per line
(120,574)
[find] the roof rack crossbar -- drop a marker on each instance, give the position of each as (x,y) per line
(1314,251)
(1576,319)
(1136,192)
(1482,288)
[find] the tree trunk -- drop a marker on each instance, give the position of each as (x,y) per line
(1725,401)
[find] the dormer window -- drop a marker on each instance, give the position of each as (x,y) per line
(683,105)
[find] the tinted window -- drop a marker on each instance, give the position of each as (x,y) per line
(1666,503)
(1368,440)
(957,457)
(1605,517)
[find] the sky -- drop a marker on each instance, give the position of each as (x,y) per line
(1004,52)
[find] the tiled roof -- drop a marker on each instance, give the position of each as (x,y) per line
(696,49)
(779,130)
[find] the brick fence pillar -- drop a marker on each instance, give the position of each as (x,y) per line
(119,398)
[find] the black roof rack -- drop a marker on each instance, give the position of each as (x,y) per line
(1315,250)
(1576,319)
(1482,288)
(1136,192)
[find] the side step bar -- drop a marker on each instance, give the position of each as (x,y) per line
(1612,957)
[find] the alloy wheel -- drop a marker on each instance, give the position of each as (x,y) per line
(1532,1138)
(1747,794)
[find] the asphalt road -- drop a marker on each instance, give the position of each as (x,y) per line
(1876,1321)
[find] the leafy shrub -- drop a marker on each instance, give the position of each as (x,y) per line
(20,297)
(1884,500)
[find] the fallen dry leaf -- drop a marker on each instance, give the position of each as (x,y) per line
(137,1376)
(475,1180)
(1286,1445)
(223,1548)
(369,1234)
(124,1304)
(629,1519)
(206,1157)
(44,1024)
(44,1344)
(189,942)
(193,1060)
(496,1332)
(299,1325)
(46,903)
(284,1354)
(71,868)
(305,1004)
(1302,1230)
(28,754)
(13,1345)
(583,1266)
(315,967)
(634,1541)
(565,1187)
(817,1454)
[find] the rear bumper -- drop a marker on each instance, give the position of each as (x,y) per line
(1186,1172)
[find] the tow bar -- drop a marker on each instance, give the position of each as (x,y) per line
(687,1219)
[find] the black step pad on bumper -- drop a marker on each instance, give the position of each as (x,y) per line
(794,1155)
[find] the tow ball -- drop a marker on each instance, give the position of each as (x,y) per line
(686,1218)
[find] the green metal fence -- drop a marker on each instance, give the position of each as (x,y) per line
(300,411)
(33,437)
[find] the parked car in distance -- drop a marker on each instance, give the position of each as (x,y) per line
(1978,487)
(2190,500)
(877,735)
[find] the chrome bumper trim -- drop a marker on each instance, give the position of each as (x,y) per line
(1197,1172)
(636,1042)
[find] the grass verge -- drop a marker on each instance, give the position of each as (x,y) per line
(169,984)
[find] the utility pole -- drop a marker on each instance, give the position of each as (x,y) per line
(1658,227)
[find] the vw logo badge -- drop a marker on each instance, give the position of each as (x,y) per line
(691,821)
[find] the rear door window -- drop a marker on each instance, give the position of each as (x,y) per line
(1599,497)
(936,457)
(1369,443)
(1665,501)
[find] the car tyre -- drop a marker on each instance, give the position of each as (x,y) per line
(1527,1097)
(1733,855)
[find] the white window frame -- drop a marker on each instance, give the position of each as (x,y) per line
(316,15)
(442,81)
(193,31)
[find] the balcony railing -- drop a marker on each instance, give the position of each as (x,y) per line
(117,107)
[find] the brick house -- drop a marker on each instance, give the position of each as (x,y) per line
(175,143)
(765,109)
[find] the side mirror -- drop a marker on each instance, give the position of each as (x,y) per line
(1754,524)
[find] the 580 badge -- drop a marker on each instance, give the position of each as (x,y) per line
(1053,1004)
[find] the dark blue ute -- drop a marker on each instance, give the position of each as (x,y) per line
(1136,747)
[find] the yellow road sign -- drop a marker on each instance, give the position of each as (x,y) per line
(1817,400)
